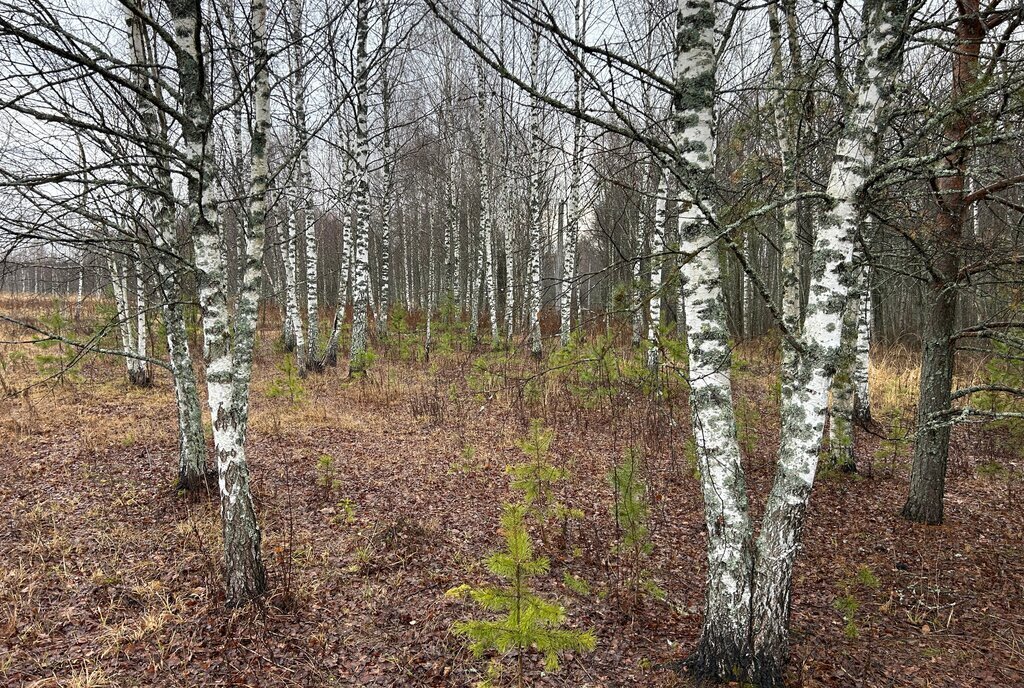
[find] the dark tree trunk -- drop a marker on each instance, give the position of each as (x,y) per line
(928,472)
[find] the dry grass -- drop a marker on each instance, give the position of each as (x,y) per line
(105,559)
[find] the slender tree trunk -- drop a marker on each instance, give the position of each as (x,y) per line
(361,279)
(119,284)
(192,442)
(931,453)
(785,114)
(304,210)
(572,226)
(387,207)
(536,347)
(296,342)
(349,183)
(804,396)
(143,376)
(486,212)
(510,291)
(862,364)
(656,263)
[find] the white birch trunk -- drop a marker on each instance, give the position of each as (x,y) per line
(192,442)
(572,224)
(349,183)
(142,371)
(361,276)
(119,284)
(510,292)
(297,342)
(536,347)
(723,648)
(304,207)
(656,263)
(862,367)
(804,396)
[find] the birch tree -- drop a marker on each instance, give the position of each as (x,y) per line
(361,274)
(745,630)
(229,336)
(486,212)
(303,209)
(804,397)
(192,441)
(535,176)
(576,181)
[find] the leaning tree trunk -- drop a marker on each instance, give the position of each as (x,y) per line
(804,396)
(192,442)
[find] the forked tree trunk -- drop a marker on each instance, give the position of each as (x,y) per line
(746,623)
(804,396)
(228,361)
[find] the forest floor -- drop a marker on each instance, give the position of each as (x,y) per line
(108,577)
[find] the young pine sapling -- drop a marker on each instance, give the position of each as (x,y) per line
(527,620)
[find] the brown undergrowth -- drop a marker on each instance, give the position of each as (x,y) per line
(110,578)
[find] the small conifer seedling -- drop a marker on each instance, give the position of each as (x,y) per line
(527,621)
(630,509)
(537,480)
